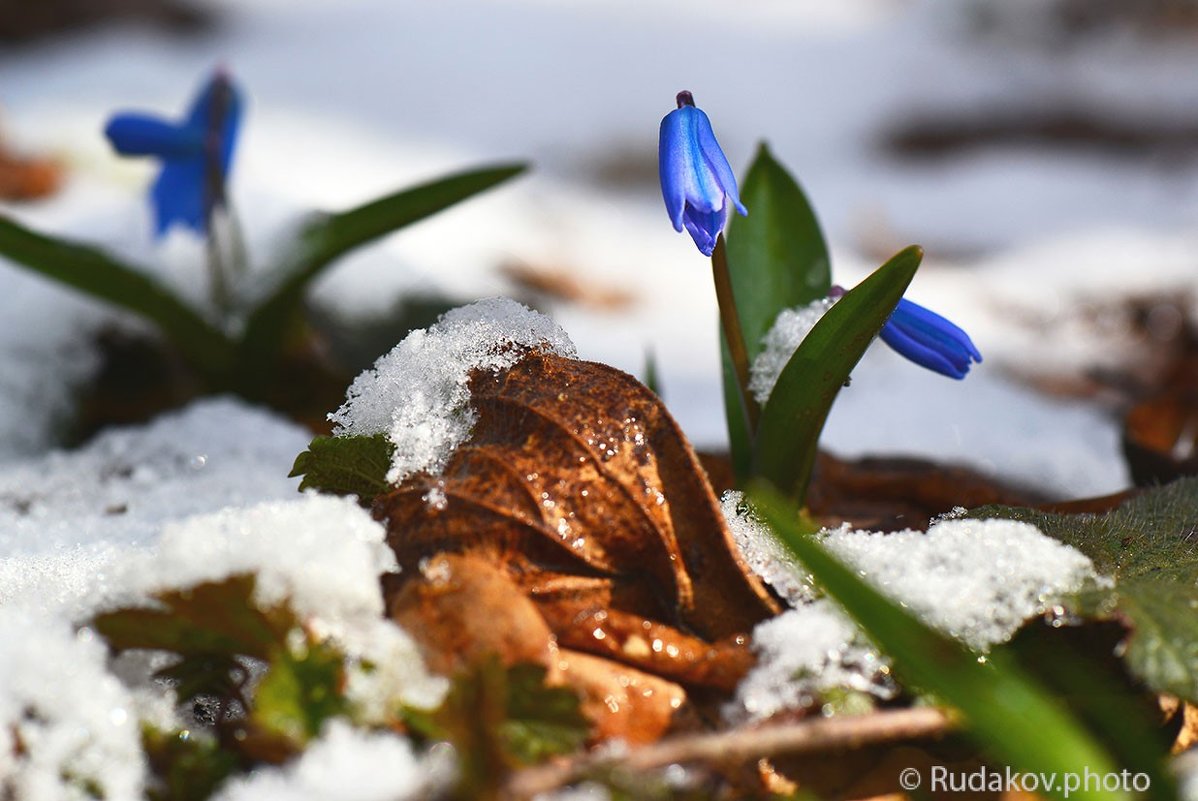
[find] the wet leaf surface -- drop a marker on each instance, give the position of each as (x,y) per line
(578,499)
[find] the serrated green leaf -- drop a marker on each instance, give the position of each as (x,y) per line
(1149,546)
(541,721)
(1006,711)
(346,465)
(102,276)
(209,619)
(300,690)
(777,259)
(787,438)
(328,237)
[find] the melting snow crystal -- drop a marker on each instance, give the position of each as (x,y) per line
(976,580)
(418,395)
(789,330)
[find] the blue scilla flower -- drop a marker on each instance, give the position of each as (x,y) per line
(196,153)
(929,340)
(696,181)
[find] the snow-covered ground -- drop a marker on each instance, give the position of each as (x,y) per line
(1027,245)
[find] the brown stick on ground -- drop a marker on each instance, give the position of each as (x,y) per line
(744,745)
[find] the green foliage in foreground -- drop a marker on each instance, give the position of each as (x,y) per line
(1007,711)
(1149,547)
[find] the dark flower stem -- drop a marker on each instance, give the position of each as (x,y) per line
(733,333)
(214,195)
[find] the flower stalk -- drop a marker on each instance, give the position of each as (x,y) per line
(733,331)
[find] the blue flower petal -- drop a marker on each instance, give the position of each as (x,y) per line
(672,167)
(133,134)
(716,161)
(697,183)
(216,110)
(929,340)
(180,196)
(705,227)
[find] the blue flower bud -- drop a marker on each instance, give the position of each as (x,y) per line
(929,340)
(196,153)
(696,181)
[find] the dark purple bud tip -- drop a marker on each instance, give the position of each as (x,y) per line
(837,291)
(685,98)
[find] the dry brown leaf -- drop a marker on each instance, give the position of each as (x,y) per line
(579,488)
(561,284)
(23,178)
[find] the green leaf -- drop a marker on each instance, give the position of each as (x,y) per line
(98,274)
(776,254)
(787,438)
(348,465)
(184,766)
(1006,711)
(300,691)
(740,441)
(211,627)
(541,721)
(1149,547)
(209,619)
(328,237)
(499,719)
(777,260)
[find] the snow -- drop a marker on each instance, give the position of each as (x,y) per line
(800,654)
(346,764)
(67,726)
(418,394)
(70,518)
(779,343)
(975,580)
(1033,249)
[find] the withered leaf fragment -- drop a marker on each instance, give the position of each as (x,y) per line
(578,484)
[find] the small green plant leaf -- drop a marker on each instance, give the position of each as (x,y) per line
(776,255)
(541,721)
(787,438)
(777,259)
(100,275)
(1149,546)
(213,619)
(349,465)
(301,690)
(499,719)
(328,237)
(184,766)
(1006,711)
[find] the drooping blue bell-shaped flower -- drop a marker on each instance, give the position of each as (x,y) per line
(196,153)
(929,340)
(696,180)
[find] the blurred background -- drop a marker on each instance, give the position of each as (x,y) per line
(1044,152)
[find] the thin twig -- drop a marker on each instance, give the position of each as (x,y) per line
(739,746)
(733,333)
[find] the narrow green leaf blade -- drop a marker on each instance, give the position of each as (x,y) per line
(329,237)
(787,436)
(776,254)
(347,465)
(1005,710)
(98,274)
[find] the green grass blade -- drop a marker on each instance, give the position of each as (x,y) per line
(329,237)
(788,434)
(94,272)
(1006,711)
